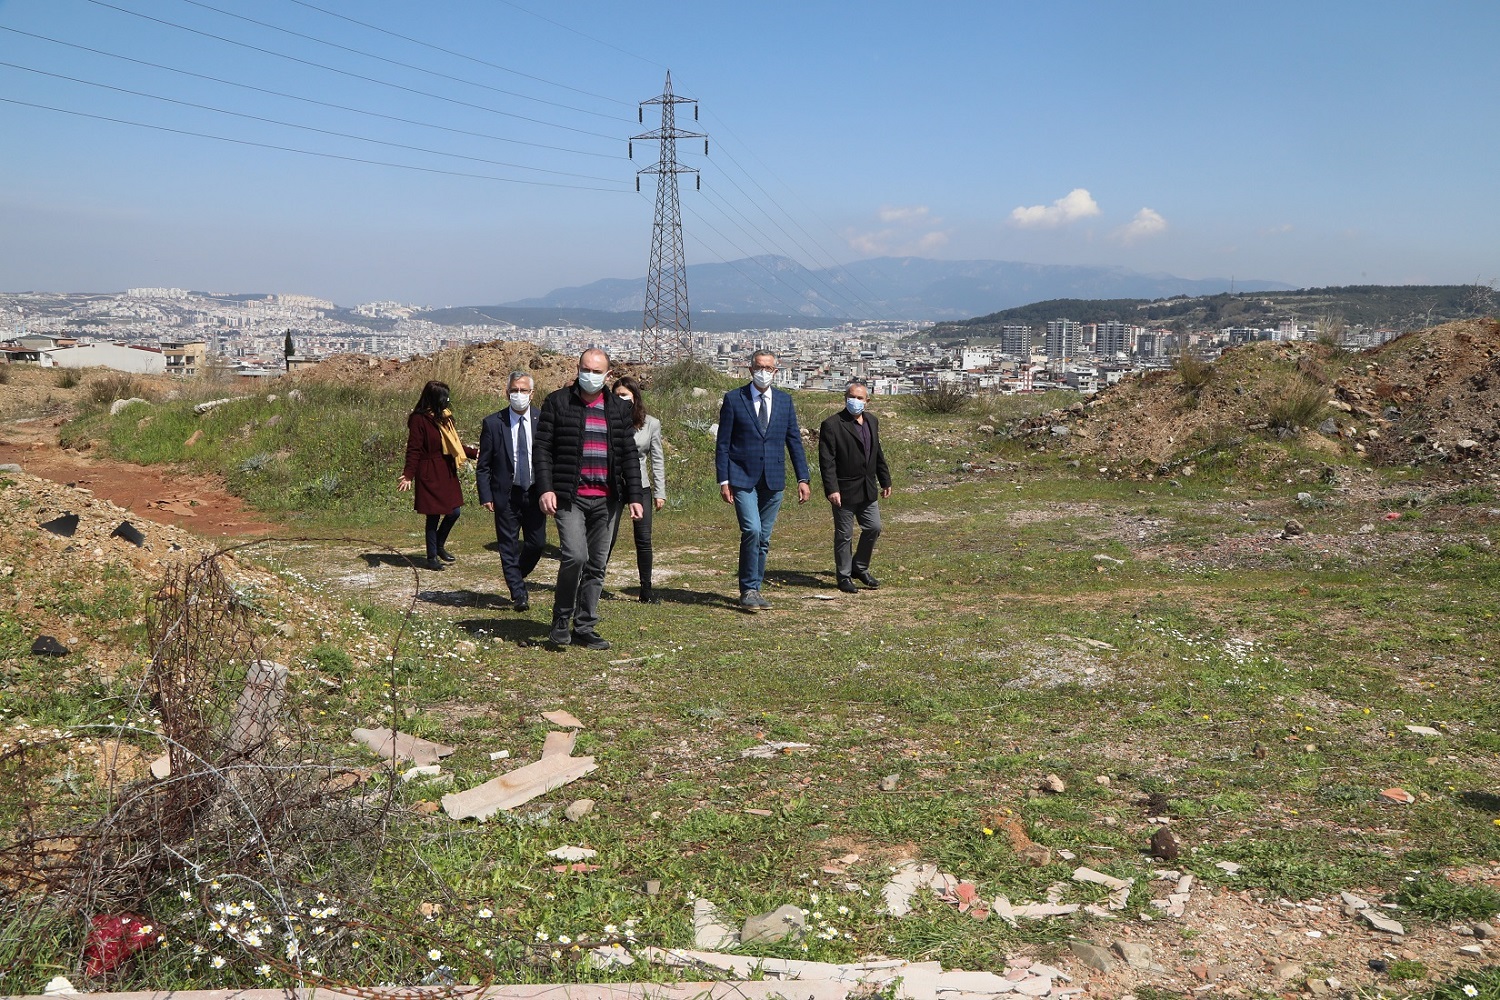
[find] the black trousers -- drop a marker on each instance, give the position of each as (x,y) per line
(438,527)
(642,530)
(521,534)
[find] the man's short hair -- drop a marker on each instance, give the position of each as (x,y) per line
(592,350)
(762,354)
(856,382)
(510,383)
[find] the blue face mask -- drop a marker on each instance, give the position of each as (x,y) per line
(854,406)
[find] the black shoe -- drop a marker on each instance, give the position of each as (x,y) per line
(590,640)
(522,603)
(431,563)
(648,597)
(847,585)
(447,556)
(559,635)
(865,578)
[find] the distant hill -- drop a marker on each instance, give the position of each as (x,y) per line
(912,288)
(532,318)
(1392,307)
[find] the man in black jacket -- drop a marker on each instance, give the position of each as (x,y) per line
(855,477)
(506,478)
(586,467)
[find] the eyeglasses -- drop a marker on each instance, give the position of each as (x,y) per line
(763,368)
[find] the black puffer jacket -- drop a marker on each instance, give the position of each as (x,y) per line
(559,446)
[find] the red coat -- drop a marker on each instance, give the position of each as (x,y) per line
(434,475)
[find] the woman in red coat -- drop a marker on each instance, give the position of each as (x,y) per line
(434,454)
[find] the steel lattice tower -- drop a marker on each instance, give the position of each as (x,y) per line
(666,332)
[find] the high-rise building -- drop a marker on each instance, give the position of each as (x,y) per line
(1015,340)
(1111,338)
(1062,339)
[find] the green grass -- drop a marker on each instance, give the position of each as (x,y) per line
(1263,691)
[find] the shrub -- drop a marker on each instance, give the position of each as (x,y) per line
(112,387)
(68,378)
(1192,371)
(1437,898)
(1299,405)
(944,399)
(684,374)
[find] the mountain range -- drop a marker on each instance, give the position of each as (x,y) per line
(907,288)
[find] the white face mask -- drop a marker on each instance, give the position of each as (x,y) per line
(590,382)
(762,379)
(520,401)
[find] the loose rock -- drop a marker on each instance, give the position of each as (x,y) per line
(781,924)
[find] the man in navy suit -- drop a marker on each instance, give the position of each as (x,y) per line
(757,428)
(507,486)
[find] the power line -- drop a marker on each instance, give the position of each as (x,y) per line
(349,73)
(393,62)
(791,309)
(305,128)
(310,100)
(305,152)
(582,34)
(452,52)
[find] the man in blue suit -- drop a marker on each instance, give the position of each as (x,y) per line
(507,486)
(757,428)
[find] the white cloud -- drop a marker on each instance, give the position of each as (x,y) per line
(1147,222)
(1076,204)
(906,230)
(904,214)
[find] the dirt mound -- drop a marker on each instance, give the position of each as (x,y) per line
(1427,397)
(475,368)
(30,391)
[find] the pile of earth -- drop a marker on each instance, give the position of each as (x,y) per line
(1428,397)
(31,391)
(472,368)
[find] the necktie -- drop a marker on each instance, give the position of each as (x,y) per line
(523,456)
(765,413)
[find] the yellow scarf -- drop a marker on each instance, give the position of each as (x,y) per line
(452,443)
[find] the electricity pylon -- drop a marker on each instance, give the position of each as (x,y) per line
(666,332)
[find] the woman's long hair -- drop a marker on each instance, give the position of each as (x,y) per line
(434,400)
(629,382)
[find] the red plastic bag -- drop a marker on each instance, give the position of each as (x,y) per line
(112,939)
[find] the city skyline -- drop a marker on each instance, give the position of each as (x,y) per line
(1340,143)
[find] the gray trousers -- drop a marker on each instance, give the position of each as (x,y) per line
(585,528)
(867,515)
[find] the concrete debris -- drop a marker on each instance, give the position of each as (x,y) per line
(1382,923)
(784,923)
(120,404)
(421,771)
(559,743)
(1423,731)
(578,809)
(568,852)
(1400,796)
(516,787)
(1099,878)
(401,746)
(563,718)
(1353,901)
(58,986)
(258,705)
(910,877)
(499,754)
(889,782)
(1100,557)
(709,930)
(1092,955)
(1136,954)
(610,956)
(768,751)
(214,404)
(1228,867)
(1091,643)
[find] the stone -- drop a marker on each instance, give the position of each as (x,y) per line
(1422,730)
(1293,529)
(1164,844)
(1350,899)
(120,404)
(569,852)
(1468,444)
(699,392)
(1053,784)
(1092,955)
(1484,931)
(1136,954)
(653,887)
(578,809)
(258,705)
(1473,950)
(1286,971)
(1035,855)
(1318,987)
(12,467)
(1382,923)
(781,924)
(1328,427)
(889,782)
(46,645)
(1059,430)
(1100,557)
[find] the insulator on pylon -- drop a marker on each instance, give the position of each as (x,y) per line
(705,147)
(631,147)
(698,182)
(637,183)
(695,112)
(640,115)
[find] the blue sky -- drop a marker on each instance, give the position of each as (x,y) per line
(1312,143)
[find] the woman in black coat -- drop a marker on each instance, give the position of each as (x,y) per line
(434,454)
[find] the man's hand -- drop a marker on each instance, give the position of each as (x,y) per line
(835,499)
(548,502)
(726,493)
(637,511)
(885,491)
(489,505)
(660,503)
(804,491)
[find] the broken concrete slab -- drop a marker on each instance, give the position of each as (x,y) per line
(909,877)
(1423,730)
(578,809)
(516,787)
(1085,874)
(709,930)
(257,707)
(769,751)
(559,743)
(1136,954)
(1038,911)
(785,923)
(568,852)
(1382,923)
(402,746)
(563,718)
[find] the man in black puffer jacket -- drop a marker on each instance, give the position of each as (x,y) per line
(586,466)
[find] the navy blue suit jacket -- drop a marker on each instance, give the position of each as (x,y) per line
(746,458)
(495,471)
